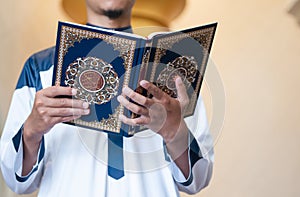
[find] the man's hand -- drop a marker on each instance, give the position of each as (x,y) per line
(46,112)
(162,114)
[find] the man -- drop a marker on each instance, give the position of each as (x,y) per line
(38,151)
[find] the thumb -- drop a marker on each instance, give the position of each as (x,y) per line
(182,95)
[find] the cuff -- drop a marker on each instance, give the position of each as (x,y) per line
(18,145)
(194,155)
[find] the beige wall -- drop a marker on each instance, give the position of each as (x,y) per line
(256,50)
(26,27)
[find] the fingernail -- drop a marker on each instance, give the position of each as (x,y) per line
(143,82)
(85,105)
(74,91)
(178,79)
(86,111)
(119,98)
(121,117)
(126,90)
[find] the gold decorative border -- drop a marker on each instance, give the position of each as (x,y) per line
(111,124)
(204,37)
(68,37)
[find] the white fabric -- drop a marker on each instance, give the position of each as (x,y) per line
(75,160)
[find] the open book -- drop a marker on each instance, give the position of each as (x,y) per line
(100,62)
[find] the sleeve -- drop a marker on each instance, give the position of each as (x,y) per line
(11,146)
(201,154)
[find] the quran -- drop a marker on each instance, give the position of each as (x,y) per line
(100,62)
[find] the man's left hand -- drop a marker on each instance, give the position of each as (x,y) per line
(161,113)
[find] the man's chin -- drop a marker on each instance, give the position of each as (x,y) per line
(113,14)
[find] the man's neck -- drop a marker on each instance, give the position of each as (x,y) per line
(104,21)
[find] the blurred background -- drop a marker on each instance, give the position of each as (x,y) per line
(257,53)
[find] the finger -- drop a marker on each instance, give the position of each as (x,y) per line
(181,89)
(65,102)
(136,97)
(132,107)
(143,120)
(65,112)
(70,118)
(152,89)
(54,91)
(182,95)
(56,120)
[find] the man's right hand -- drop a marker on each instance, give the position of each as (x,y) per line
(47,111)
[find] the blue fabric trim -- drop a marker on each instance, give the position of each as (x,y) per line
(115,156)
(42,150)
(127,29)
(17,139)
(189,181)
(16,142)
(40,157)
(195,152)
(38,62)
(25,178)
(167,158)
(194,156)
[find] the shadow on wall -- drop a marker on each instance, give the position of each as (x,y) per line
(294,9)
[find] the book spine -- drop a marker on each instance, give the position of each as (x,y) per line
(143,58)
(139,63)
(134,83)
(144,67)
(145,61)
